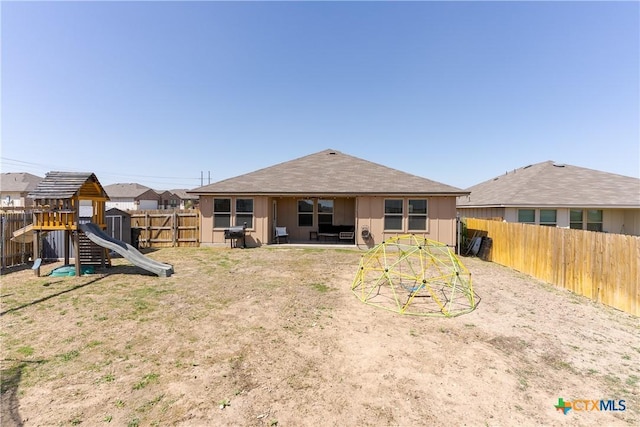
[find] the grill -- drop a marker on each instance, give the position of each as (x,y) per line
(234,234)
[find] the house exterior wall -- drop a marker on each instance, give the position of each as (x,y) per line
(287,215)
(482,212)
(122,204)
(632,222)
(14,199)
(441,222)
(258,234)
(619,221)
(361,211)
(146,205)
(132,205)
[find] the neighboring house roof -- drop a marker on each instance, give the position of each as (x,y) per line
(328,172)
(18,182)
(65,185)
(552,184)
(183,195)
(127,191)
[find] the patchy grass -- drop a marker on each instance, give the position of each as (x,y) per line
(275,336)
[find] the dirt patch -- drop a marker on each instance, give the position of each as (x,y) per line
(274,336)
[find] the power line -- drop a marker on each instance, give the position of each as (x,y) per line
(155,181)
(21,163)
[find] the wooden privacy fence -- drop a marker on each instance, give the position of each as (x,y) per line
(14,253)
(604,267)
(162,229)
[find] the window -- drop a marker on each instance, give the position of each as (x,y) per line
(325,212)
(527,216)
(393,214)
(418,214)
(305,213)
(244,212)
(548,217)
(575,219)
(594,220)
(221,213)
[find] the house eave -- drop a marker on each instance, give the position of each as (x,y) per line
(331,194)
(549,206)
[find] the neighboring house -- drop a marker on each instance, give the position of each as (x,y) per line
(169,200)
(324,194)
(132,197)
(14,187)
(558,195)
(187,200)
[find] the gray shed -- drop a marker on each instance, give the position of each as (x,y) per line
(119,224)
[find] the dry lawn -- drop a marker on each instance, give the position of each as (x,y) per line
(274,336)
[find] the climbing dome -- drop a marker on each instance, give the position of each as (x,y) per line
(413,275)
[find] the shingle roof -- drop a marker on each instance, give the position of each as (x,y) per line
(65,185)
(328,172)
(552,184)
(127,190)
(18,182)
(182,193)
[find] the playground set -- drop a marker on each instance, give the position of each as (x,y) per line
(75,203)
(413,275)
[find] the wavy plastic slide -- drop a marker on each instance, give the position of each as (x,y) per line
(99,237)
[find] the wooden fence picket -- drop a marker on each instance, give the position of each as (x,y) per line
(603,267)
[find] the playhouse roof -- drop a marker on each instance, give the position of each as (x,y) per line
(66,185)
(328,172)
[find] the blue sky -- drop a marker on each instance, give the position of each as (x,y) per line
(162,93)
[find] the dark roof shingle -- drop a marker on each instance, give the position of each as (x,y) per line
(552,184)
(126,190)
(19,182)
(328,172)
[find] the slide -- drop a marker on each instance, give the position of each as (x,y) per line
(99,237)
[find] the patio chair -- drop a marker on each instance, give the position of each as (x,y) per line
(281,233)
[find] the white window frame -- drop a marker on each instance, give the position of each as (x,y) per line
(572,223)
(553,223)
(589,222)
(327,214)
(526,222)
(411,214)
(393,215)
(305,213)
(222,214)
(236,213)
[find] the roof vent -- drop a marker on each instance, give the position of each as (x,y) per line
(332,152)
(558,165)
(527,167)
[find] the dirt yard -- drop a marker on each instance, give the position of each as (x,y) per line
(275,337)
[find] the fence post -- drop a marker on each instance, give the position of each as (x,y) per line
(174,230)
(2,248)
